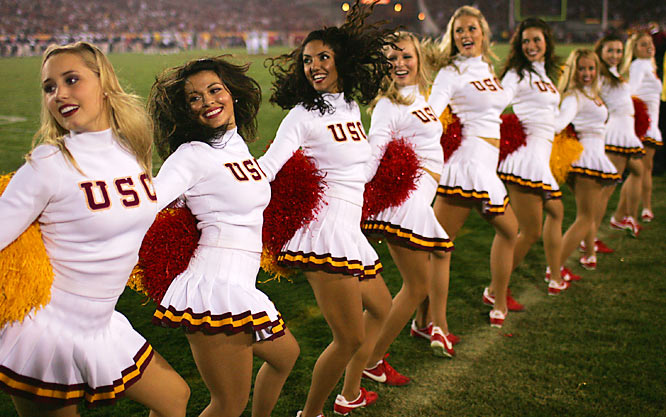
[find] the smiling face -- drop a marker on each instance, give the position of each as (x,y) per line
(586,71)
(209,100)
(405,63)
(533,44)
(319,67)
(468,36)
(644,48)
(73,94)
(611,53)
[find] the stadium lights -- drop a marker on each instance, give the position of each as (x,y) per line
(397,7)
(345,7)
(421,16)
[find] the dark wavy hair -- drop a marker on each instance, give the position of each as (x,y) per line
(517,59)
(613,79)
(172,117)
(359,60)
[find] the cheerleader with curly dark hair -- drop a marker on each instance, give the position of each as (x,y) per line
(320,83)
(203,110)
(527,76)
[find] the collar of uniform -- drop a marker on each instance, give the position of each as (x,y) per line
(94,141)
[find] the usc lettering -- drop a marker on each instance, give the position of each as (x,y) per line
(426,115)
(487,84)
(97,193)
(249,166)
(342,132)
(545,86)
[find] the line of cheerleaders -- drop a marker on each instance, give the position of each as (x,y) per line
(88,185)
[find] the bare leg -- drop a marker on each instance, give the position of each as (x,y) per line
(528,208)
(339,299)
(648,163)
(225,364)
(439,289)
(377,303)
(630,194)
(161,389)
(414,267)
(501,255)
(27,408)
(280,356)
(587,192)
(552,236)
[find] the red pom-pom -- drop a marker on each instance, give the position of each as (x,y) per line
(296,195)
(452,133)
(512,135)
(641,117)
(394,180)
(166,250)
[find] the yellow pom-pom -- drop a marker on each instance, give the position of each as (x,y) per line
(270,266)
(446,118)
(135,281)
(26,275)
(566,149)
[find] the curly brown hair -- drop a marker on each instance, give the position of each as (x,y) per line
(167,104)
(359,60)
(517,60)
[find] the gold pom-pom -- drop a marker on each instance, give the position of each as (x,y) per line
(270,266)
(26,275)
(566,149)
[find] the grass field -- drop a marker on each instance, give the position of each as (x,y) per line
(597,350)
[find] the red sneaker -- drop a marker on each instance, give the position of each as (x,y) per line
(344,407)
(440,344)
(496,318)
(422,332)
(589,262)
(565,273)
(647,216)
(555,288)
(600,247)
(634,227)
(511,302)
(385,374)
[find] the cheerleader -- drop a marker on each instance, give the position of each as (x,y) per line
(640,65)
(319,83)
(203,110)
(88,184)
(526,171)
(583,107)
(466,82)
(623,147)
(418,244)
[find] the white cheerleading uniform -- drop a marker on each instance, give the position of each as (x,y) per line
(476,96)
(227,192)
(337,143)
(535,100)
(588,118)
(620,133)
(645,84)
(412,223)
(92,223)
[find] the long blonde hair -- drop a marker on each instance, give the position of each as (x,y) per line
(630,52)
(390,90)
(568,84)
(443,53)
(130,123)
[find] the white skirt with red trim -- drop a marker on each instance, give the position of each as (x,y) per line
(413,223)
(470,174)
(75,348)
(217,293)
(333,243)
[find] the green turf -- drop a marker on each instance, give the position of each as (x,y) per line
(595,351)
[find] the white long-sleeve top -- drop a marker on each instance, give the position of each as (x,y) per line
(415,123)
(335,140)
(535,99)
(223,186)
(474,94)
(643,81)
(618,98)
(587,116)
(93,223)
